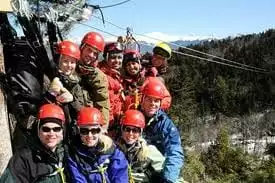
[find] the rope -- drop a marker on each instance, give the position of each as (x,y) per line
(136,99)
(101,169)
(131,178)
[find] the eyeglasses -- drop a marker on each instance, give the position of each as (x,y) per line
(86,131)
(129,129)
(48,129)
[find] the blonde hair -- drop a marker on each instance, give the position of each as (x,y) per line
(106,142)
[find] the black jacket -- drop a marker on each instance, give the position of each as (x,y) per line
(36,164)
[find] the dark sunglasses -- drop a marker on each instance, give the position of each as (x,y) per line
(86,131)
(129,129)
(48,129)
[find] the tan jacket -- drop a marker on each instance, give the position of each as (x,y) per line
(95,82)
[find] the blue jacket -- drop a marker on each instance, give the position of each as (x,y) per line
(161,132)
(91,166)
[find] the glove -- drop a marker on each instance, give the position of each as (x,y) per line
(65,97)
(55,87)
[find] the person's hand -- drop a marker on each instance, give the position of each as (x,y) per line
(55,86)
(65,97)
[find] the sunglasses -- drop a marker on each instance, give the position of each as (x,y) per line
(48,129)
(129,129)
(86,131)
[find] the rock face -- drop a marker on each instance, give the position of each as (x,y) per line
(5,139)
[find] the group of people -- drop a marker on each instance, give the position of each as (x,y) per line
(102,121)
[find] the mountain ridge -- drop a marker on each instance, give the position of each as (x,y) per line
(148,47)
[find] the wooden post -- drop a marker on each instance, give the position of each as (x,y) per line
(5,138)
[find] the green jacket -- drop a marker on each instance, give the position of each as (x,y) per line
(145,161)
(35,165)
(95,82)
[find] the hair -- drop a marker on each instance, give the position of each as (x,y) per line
(106,143)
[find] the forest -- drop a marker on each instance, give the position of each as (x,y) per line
(226,108)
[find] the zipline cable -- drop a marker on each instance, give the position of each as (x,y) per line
(214,61)
(180,53)
(184,47)
(107,6)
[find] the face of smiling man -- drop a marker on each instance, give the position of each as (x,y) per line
(50,135)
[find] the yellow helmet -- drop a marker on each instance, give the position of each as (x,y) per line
(163,49)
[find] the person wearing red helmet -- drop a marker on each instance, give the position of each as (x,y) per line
(161,131)
(92,78)
(132,101)
(145,161)
(167,99)
(65,89)
(43,159)
(69,55)
(111,65)
(94,157)
(92,45)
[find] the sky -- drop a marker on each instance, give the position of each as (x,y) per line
(181,19)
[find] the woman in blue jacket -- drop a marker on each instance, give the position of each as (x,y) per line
(161,131)
(93,156)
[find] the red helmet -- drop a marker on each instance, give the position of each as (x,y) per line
(154,88)
(94,40)
(131,56)
(51,111)
(89,116)
(133,118)
(69,48)
(113,47)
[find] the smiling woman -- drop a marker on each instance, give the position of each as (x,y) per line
(145,161)
(93,156)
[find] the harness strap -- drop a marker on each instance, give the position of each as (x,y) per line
(131,178)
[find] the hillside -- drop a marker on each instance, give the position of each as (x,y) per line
(147,47)
(218,88)
(226,111)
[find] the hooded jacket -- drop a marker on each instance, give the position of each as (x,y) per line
(145,161)
(104,163)
(161,132)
